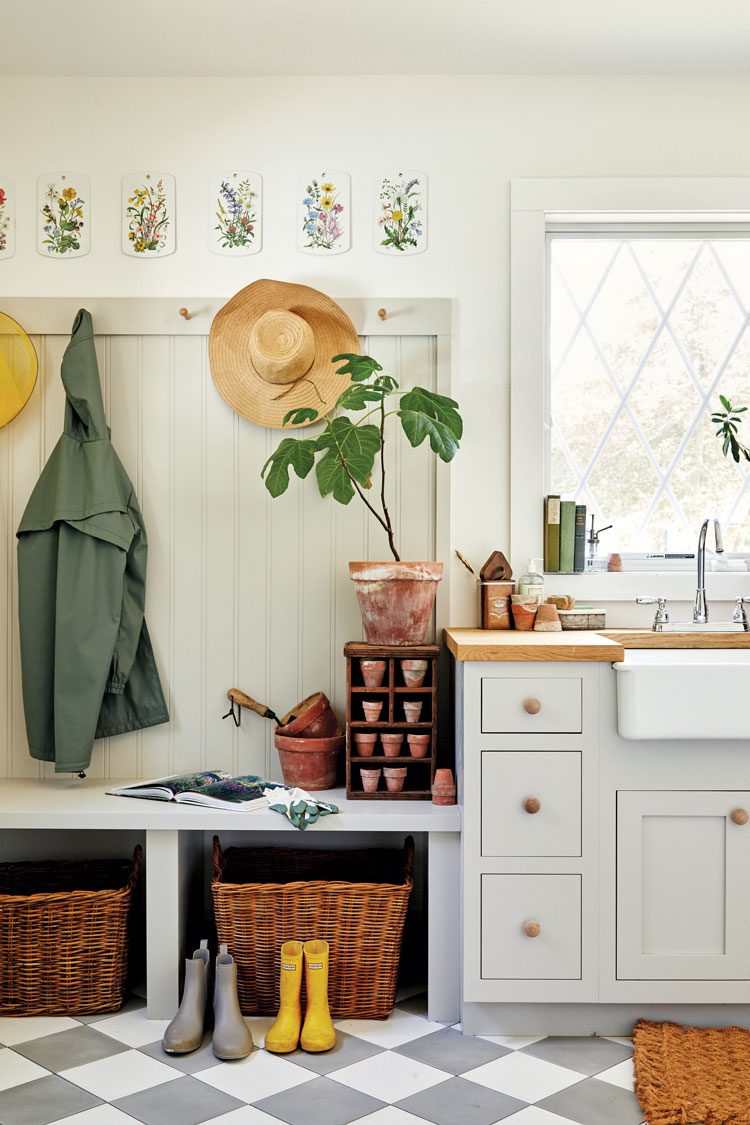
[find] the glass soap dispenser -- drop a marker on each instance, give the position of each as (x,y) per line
(532,583)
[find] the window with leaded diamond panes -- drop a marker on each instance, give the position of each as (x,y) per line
(645,332)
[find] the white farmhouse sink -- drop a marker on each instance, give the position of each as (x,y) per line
(683,693)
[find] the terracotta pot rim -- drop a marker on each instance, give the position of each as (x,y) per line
(331,745)
(396,571)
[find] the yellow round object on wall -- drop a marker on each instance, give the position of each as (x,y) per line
(18,368)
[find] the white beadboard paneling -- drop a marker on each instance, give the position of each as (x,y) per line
(242,591)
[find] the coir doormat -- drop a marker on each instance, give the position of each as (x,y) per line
(686,1075)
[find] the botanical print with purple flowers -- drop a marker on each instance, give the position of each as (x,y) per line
(235,214)
(63,208)
(401,213)
(148,214)
(324,222)
(6,219)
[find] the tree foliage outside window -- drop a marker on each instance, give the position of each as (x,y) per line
(645,335)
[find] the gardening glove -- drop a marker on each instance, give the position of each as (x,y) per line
(300,808)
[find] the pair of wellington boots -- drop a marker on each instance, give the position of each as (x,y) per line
(317,1033)
(232,1038)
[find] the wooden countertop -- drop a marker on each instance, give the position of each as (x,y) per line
(501,644)
(645,638)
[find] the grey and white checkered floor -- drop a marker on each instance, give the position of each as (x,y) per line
(111,1070)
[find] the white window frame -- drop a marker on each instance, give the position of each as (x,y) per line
(536,206)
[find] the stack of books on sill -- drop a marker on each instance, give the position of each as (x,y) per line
(564,536)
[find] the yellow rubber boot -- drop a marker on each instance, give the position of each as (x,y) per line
(318,1032)
(283,1037)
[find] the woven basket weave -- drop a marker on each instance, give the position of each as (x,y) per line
(64,935)
(354,900)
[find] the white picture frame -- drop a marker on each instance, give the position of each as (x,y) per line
(400,213)
(63,218)
(235,213)
(148,214)
(324,226)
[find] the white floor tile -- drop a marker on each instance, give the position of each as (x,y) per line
(21,1029)
(515,1042)
(15,1069)
(120,1075)
(258,1076)
(133,1028)
(259,1025)
(619,1075)
(389,1077)
(533,1115)
(100,1115)
(400,1027)
(524,1077)
(248,1115)
(388,1116)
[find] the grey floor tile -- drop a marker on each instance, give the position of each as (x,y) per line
(319,1102)
(201,1059)
(451,1051)
(74,1047)
(349,1049)
(43,1101)
(595,1103)
(182,1102)
(459,1102)
(131,1004)
(587,1054)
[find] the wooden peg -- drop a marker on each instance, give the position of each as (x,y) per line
(383,314)
(185,313)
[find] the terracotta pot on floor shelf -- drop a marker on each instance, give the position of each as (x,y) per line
(396,599)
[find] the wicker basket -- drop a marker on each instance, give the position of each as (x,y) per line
(354,900)
(64,935)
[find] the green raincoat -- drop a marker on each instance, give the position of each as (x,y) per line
(86,660)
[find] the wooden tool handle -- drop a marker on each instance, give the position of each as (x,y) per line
(244,700)
(532,928)
(740,816)
(532,706)
(532,805)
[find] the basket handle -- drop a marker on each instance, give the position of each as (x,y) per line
(409,860)
(219,861)
(135,867)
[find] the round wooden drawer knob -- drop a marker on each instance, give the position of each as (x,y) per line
(740,816)
(532,928)
(532,804)
(532,706)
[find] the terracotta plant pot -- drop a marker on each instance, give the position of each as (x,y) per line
(395,599)
(372,709)
(414,672)
(373,672)
(443,788)
(370,780)
(312,718)
(524,607)
(309,763)
(412,710)
(419,744)
(392,744)
(395,776)
(364,743)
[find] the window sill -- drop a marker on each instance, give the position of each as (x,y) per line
(627,586)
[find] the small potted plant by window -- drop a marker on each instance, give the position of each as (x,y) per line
(395,597)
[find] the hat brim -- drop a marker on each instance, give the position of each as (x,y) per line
(236,378)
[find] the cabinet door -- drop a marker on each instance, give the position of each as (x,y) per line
(683,886)
(531,803)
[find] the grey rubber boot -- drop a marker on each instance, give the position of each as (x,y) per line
(185,1032)
(232,1038)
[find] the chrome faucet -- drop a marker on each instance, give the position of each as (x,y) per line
(700,609)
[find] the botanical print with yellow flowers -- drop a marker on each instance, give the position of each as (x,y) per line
(7,229)
(324,220)
(63,208)
(401,213)
(235,205)
(148,214)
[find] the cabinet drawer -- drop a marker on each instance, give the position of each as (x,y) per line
(526,705)
(514,784)
(510,902)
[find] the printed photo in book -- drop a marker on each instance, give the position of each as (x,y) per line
(211,789)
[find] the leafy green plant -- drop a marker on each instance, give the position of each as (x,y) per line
(344,453)
(728,420)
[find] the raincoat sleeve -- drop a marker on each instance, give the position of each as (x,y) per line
(133,605)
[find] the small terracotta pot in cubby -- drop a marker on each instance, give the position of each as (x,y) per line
(370,780)
(392,744)
(373,672)
(414,672)
(364,743)
(372,709)
(412,710)
(419,744)
(395,776)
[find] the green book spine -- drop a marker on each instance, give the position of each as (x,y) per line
(579,550)
(552,534)
(567,535)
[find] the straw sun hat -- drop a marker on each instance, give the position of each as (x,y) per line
(270,350)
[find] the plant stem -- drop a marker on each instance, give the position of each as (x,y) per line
(386,513)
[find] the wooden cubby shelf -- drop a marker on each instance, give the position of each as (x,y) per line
(393,693)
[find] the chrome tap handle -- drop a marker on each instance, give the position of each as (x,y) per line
(739,617)
(662,617)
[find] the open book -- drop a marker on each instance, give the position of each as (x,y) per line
(214,789)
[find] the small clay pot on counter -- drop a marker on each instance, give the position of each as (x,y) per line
(392,744)
(364,743)
(395,776)
(524,608)
(370,780)
(412,710)
(373,672)
(419,744)
(414,672)
(372,709)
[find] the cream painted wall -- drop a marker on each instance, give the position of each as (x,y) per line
(471,135)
